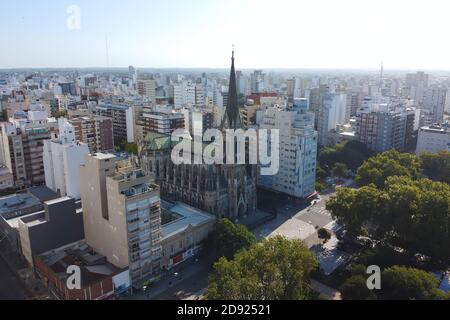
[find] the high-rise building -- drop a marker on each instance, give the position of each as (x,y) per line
(297,150)
(416,84)
(147,88)
(95,131)
(22,145)
(189,94)
(62,159)
(257,81)
(382,127)
(122,215)
(434,101)
(332,112)
(123,119)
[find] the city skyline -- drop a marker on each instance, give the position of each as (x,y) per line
(198,34)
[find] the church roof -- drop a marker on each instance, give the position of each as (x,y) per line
(158,141)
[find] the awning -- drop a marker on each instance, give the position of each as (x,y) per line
(312,195)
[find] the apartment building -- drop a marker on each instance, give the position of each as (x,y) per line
(63,156)
(382,127)
(123,120)
(433,139)
(297,150)
(22,145)
(122,215)
(147,88)
(95,131)
(332,113)
(188,93)
(160,122)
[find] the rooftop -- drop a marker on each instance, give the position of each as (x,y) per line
(103,156)
(187,216)
(19,204)
(94,267)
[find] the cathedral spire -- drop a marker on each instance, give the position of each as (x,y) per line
(232,119)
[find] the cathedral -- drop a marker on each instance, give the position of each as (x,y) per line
(226,191)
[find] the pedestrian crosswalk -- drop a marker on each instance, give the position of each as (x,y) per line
(323,211)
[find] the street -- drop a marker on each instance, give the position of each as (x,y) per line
(185,282)
(10,286)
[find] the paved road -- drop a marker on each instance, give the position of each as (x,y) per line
(10,286)
(189,284)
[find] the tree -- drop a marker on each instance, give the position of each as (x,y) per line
(436,166)
(131,148)
(320,187)
(228,238)
(355,288)
(402,283)
(275,269)
(324,234)
(60,114)
(340,170)
(356,209)
(391,163)
(411,214)
(352,154)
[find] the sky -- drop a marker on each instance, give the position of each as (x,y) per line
(329,34)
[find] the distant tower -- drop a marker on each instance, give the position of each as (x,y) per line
(381,75)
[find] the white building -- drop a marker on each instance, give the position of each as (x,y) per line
(62,159)
(298,150)
(332,112)
(434,101)
(188,94)
(433,139)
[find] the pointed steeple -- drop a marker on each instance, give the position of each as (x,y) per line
(232,118)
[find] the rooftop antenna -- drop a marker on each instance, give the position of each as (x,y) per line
(107,51)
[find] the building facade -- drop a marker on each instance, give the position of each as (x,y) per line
(62,159)
(122,215)
(433,139)
(95,131)
(22,145)
(298,150)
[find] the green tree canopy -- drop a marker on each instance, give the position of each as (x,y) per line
(275,269)
(355,288)
(402,283)
(377,169)
(412,214)
(436,166)
(324,234)
(131,148)
(340,170)
(228,238)
(60,114)
(352,154)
